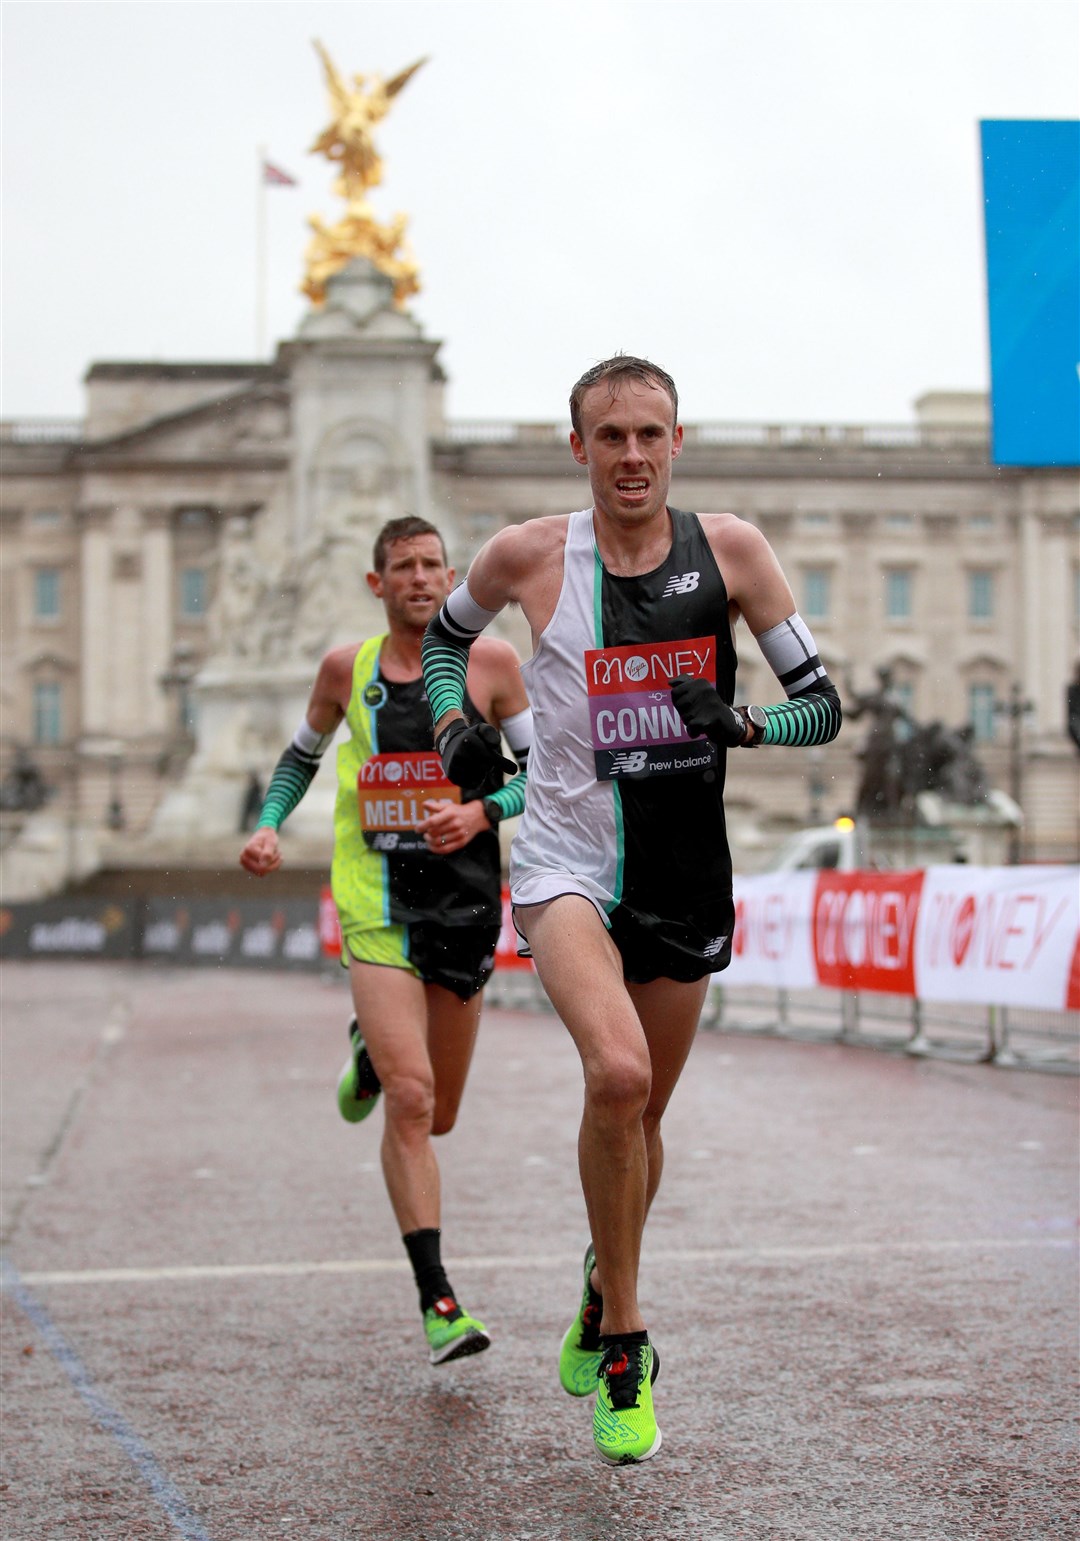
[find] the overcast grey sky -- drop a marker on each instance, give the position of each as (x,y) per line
(778,200)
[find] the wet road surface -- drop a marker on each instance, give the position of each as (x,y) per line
(860,1273)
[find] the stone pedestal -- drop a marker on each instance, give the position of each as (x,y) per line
(291,579)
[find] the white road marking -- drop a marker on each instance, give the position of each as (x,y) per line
(717,1256)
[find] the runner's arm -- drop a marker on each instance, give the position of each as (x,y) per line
(509,800)
(469,754)
(759,590)
(812,714)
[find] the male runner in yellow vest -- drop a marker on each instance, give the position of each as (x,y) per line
(416,881)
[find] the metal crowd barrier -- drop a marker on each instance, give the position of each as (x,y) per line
(293,934)
(1009,1037)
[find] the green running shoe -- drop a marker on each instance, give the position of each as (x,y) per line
(580,1355)
(358,1086)
(624,1424)
(452,1333)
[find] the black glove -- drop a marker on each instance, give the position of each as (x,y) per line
(472,755)
(703,711)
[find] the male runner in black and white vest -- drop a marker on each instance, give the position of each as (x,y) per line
(620,871)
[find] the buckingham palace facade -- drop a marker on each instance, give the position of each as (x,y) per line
(137,567)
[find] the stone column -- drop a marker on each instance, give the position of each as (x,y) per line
(95,609)
(157,620)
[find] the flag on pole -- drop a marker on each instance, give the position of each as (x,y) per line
(273,176)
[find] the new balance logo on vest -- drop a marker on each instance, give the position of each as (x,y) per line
(682,583)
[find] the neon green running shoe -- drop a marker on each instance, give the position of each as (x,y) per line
(358,1086)
(452,1333)
(624,1424)
(580,1354)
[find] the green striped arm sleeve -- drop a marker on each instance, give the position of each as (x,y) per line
(293,774)
(511,797)
(445,662)
(812,717)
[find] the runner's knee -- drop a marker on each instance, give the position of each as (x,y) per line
(410,1101)
(619,1085)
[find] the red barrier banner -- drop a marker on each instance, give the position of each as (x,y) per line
(506,951)
(864,930)
(1007,936)
(329,929)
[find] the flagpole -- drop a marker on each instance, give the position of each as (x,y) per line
(260,256)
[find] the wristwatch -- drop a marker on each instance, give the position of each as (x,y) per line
(754,717)
(493,811)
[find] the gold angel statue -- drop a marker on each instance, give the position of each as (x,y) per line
(347,141)
(347,137)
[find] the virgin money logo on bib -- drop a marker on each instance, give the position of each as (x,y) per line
(636,730)
(393,791)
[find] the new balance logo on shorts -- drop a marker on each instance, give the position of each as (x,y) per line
(712,948)
(682,583)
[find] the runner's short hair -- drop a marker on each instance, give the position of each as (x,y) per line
(404,528)
(621,366)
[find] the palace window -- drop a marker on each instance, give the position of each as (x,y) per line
(898,590)
(815,599)
(982,713)
(904,691)
(47,594)
(47,717)
(193,593)
(980,595)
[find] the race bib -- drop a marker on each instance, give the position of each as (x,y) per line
(393,791)
(636,730)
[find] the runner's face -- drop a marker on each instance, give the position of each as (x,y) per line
(414,582)
(628,442)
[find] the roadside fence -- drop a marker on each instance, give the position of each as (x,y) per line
(978,964)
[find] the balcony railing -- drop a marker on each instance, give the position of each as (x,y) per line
(750,435)
(41,430)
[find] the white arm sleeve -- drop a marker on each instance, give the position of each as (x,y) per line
(518,731)
(792,654)
(463,617)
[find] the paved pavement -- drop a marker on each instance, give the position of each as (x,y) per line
(860,1273)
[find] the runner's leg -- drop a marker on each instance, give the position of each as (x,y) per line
(581,970)
(669,1012)
(451,1037)
(391,1010)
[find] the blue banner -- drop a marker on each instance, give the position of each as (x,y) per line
(1031,188)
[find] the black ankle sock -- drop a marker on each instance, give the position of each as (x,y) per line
(431,1281)
(628,1339)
